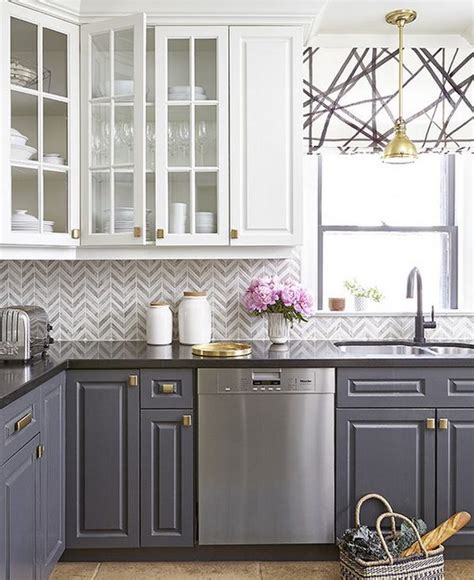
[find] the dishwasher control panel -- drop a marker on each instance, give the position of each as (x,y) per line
(266,381)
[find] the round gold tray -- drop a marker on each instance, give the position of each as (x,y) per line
(222,349)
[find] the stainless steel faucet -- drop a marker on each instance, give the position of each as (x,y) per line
(420,322)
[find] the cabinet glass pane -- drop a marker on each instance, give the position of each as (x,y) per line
(100,135)
(100,187)
(205,136)
(150,206)
(25,199)
(150,136)
(24,54)
(178,70)
(123,62)
(24,126)
(178,202)
(55,191)
(179,154)
(55,135)
(150,64)
(100,65)
(124,211)
(205,68)
(123,134)
(206,203)
(55,62)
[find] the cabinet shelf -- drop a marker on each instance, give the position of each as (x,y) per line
(35,93)
(32,164)
(197,103)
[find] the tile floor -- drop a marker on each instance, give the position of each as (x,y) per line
(455,570)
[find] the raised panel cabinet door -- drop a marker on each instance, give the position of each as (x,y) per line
(102,467)
(266,135)
(385,451)
(167,475)
(455,469)
(53,473)
(20,514)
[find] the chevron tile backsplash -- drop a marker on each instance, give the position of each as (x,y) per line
(107,300)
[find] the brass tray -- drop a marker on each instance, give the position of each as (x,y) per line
(222,349)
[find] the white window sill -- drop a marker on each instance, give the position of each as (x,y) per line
(374,313)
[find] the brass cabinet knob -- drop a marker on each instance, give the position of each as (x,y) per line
(430,423)
(75,234)
(167,388)
(40,451)
(133,381)
(187,420)
(160,233)
(443,424)
(137,231)
(23,422)
(234,234)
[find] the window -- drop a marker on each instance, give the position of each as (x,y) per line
(377,221)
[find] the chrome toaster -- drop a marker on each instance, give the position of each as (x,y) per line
(24,332)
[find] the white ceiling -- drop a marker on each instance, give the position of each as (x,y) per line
(328,17)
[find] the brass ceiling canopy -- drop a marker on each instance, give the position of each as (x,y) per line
(400,149)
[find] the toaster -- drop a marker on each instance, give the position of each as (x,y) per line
(24,332)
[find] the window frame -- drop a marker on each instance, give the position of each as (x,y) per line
(448,183)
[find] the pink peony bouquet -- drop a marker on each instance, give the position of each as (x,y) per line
(269,295)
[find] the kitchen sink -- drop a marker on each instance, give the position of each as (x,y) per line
(392,348)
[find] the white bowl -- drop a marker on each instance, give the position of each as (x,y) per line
(21,217)
(124,87)
(186,97)
(22,152)
(16,138)
(185,89)
(53,160)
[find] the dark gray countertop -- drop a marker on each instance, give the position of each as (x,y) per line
(17,379)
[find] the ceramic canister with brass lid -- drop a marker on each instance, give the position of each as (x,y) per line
(194,318)
(159,323)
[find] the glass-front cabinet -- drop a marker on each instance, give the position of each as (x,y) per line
(40,130)
(155,106)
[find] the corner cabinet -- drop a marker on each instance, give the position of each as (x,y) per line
(39,129)
(266,112)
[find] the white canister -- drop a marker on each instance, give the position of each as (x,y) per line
(159,324)
(194,318)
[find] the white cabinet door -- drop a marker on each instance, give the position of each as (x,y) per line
(192,190)
(39,129)
(113,131)
(266,120)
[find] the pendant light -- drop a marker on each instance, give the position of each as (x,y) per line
(400,149)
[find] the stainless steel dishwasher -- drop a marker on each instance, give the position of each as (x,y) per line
(266,456)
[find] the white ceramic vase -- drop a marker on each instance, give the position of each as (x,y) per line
(361,303)
(278,328)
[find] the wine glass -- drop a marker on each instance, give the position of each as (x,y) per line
(183,137)
(202,138)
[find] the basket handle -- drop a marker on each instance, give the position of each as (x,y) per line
(373,496)
(394,515)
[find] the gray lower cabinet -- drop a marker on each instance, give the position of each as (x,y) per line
(167,474)
(20,514)
(387,451)
(455,468)
(53,479)
(102,468)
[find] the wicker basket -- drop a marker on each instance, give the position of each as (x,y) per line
(424,566)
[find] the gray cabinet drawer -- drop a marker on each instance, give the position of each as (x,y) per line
(166,389)
(386,387)
(20,422)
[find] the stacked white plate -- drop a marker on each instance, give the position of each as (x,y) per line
(22,221)
(53,159)
(206,222)
(20,151)
(124,219)
(184,93)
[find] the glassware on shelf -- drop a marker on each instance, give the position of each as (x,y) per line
(202,139)
(150,145)
(100,142)
(123,138)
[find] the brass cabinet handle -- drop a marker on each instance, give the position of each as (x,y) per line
(23,422)
(234,234)
(160,233)
(443,424)
(187,420)
(133,381)
(430,423)
(75,234)
(167,388)
(40,451)
(137,231)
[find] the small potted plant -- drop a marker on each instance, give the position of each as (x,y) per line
(363,295)
(282,302)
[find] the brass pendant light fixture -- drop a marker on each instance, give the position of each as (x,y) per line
(400,149)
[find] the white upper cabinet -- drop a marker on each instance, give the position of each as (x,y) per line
(192,190)
(266,122)
(113,131)
(39,128)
